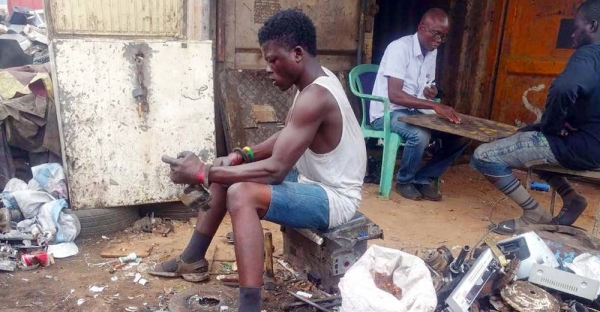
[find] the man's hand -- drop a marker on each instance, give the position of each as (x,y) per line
(567,129)
(233,159)
(430,92)
(447,112)
(186,168)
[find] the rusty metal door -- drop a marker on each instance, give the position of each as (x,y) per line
(536,47)
(134,81)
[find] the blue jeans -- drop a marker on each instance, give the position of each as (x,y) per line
(416,141)
(298,205)
(519,151)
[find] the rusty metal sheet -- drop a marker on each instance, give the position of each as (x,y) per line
(253,109)
(531,57)
(241,91)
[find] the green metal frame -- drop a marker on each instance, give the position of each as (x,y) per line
(391,140)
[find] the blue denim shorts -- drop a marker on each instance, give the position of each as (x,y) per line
(298,205)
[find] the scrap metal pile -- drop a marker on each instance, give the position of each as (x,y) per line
(549,269)
(23,39)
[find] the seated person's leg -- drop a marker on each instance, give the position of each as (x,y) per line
(191,264)
(416,140)
(495,161)
(452,147)
(573,203)
(289,203)
(247,202)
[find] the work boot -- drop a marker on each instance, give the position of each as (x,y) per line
(408,191)
(570,212)
(428,192)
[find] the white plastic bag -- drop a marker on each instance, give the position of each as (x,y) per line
(586,265)
(359,292)
(51,178)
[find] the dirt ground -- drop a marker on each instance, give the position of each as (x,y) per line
(460,219)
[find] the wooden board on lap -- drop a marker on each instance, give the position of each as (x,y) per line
(470,127)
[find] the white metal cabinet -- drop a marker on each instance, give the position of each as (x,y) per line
(112,155)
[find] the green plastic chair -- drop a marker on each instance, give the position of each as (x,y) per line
(391,141)
(362,78)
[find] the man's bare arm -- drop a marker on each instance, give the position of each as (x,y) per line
(264,150)
(289,146)
(399,97)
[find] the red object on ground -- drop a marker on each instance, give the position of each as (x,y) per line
(41,258)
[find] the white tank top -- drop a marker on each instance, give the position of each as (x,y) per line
(341,171)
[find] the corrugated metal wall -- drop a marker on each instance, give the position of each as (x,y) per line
(117,17)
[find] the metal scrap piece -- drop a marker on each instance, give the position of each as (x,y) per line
(196,197)
(438,259)
(526,297)
(509,275)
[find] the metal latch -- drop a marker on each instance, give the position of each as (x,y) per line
(140,93)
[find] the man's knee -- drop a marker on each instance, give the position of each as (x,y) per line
(416,136)
(489,166)
(238,195)
(479,153)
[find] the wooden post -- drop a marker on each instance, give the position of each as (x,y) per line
(269,255)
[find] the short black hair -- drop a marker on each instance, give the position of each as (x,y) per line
(590,10)
(291,28)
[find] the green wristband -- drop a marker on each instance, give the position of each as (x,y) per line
(250,153)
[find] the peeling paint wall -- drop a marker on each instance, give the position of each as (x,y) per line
(103,53)
(113,155)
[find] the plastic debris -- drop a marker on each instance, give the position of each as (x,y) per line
(137,278)
(114,278)
(143,281)
(129,258)
(304,294)
(63,250)
(80,301)
(97,289)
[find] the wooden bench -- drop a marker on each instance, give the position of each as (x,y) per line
(591,175)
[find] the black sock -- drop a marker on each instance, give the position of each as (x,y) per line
(573,203)
(249,299)
(196,248)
